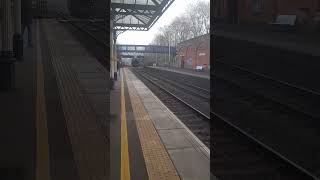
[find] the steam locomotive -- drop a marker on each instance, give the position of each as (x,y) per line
(137,62)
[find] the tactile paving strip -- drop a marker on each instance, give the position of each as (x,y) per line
(88,144)
(158,163)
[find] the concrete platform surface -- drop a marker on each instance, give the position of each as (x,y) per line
(188,154)
(83,91)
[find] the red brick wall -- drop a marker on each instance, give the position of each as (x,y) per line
(197,50)
(271,8)
(246,15)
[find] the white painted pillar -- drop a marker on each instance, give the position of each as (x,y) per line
(7,66)
(169,51)
(6,28)
(111,49)
(17,37)
(114,52)
(156,59)
(17,6)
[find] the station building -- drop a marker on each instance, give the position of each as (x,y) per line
(194,52)
(266,11)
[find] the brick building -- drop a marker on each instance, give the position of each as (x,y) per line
(265,11)
(193,52)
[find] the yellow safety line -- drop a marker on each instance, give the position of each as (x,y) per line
(125,167)
(42,156)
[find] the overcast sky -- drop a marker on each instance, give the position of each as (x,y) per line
(145,37)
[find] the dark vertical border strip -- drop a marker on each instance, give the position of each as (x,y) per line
(212,57)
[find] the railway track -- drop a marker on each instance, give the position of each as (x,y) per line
(196,91)
(273,127)
(237,155)
(190,97)
(297,98)
(196,120)
(195,82)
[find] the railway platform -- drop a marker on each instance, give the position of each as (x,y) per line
(156,139)
(56,121)
(190,72)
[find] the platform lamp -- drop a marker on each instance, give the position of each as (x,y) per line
(170,33)
(169,50)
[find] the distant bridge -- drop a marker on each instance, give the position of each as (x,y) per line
(125,48)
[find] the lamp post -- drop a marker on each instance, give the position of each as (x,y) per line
(169,51)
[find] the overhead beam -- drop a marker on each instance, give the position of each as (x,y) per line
(134,6)
(124,28)
(129,25)
(155,2)
(163,7)
(136,13)
(149,18)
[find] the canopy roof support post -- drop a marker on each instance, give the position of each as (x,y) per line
(111,50)
(7,66)
(17,37)
(6,28)
(114,53)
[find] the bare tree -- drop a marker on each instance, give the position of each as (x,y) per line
(204,12)
(159,39)
(199,17)
(182,29)
(195,22)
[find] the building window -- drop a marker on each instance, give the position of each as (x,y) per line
(256,7)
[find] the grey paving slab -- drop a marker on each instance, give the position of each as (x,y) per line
(153,105)
(138,85)
(94,83)
(94,86)
(100,103)
(142,89)
(190,164)
(148,99)
(85,67)
(175,138)
(91,75)
(73,53)
(144,93)
(161,120)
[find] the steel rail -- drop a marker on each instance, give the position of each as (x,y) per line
(216,116)
(178,85)
(269,78)
(190,85)
(206,117)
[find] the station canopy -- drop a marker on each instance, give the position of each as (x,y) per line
(137,14)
